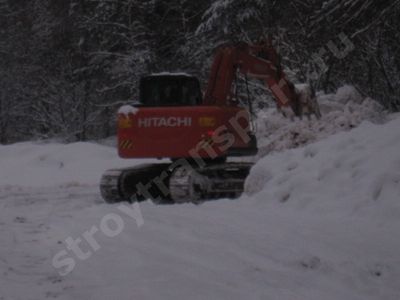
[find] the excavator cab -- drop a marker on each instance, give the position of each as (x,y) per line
(166,89)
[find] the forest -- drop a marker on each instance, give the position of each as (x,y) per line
(67,65)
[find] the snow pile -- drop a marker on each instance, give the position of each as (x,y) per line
(348,172)
(39,165)
(341,111)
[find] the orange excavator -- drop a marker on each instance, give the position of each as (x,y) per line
(172,119)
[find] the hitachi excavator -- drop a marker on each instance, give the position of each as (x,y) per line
(173,120)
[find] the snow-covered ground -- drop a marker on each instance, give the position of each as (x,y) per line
(317,222)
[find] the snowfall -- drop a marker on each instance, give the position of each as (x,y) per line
(319,219)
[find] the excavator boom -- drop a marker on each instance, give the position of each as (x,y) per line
(258,61)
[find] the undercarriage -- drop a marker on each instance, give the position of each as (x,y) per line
(168,183)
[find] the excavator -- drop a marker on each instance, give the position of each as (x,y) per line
(197,132)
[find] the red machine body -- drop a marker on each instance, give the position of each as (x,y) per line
(185,131)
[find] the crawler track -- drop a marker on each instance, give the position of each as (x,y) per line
(165,184)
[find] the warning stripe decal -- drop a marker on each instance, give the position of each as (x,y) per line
(126,144)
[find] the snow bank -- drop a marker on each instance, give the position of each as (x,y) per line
(348,172)
(40,165)
(340,112)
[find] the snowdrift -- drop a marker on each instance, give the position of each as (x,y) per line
(351,171)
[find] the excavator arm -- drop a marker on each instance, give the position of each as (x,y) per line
(258,61)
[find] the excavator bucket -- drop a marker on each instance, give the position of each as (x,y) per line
(307,101)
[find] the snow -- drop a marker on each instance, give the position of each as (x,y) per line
(45,165)
(342,111)
(317,222)
(354,171)
(348,93)
(127,109)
